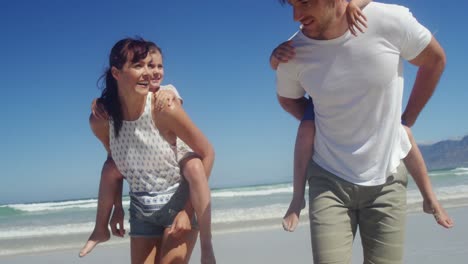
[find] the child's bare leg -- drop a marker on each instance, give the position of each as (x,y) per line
(200,197)
(414,162)
(302,154)
(110,187)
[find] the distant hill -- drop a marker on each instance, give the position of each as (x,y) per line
(446,154)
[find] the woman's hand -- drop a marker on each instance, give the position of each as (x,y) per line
(180,224)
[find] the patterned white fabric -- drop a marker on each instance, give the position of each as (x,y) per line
(146,160)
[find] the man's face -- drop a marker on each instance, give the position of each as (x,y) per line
(314,15)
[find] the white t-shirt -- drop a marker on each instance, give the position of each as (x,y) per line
(357,87)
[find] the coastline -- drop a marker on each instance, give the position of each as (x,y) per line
(426,242)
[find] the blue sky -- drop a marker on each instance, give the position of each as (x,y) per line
(216,54)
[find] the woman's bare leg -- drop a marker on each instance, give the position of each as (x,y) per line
(177,249)
(144,250)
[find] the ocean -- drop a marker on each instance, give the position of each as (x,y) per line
(54,225)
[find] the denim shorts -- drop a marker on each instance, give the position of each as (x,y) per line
(154,224)
(309,113)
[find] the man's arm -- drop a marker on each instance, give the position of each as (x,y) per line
(296,107)
(431,62)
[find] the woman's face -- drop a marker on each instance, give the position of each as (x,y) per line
(135,76)
(157,72)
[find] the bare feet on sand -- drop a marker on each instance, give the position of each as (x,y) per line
(441,217)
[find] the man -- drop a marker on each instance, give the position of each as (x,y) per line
(356,177)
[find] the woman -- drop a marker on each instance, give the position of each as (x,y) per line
(140,138)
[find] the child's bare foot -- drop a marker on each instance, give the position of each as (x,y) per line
(441,217)
(291,218)
(207,255)
(98,236)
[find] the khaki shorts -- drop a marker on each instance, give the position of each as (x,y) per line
(338,207)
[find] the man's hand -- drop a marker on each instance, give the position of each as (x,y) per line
(282,54)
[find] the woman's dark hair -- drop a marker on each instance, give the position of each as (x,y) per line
(134,48)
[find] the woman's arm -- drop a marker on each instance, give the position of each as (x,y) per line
(174,122)
(100,128)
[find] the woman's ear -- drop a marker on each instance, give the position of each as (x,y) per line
(115,72)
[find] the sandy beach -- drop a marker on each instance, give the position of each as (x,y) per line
(426,242)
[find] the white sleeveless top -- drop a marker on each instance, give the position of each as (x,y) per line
(146,160)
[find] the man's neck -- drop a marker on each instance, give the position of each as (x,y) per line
(340,25)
